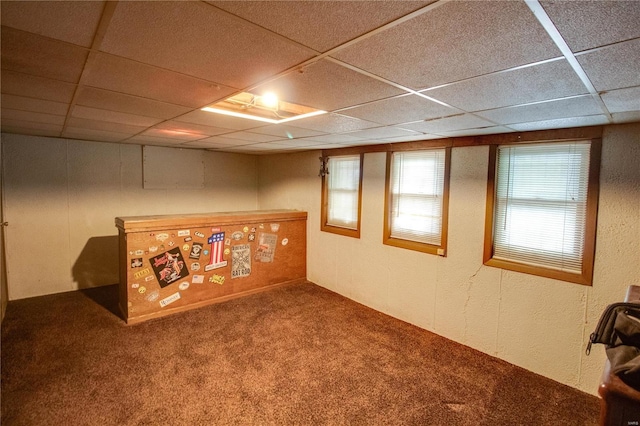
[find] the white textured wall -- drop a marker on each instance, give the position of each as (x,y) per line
(62,196)
(537,323)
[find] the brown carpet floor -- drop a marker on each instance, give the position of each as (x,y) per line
(295,355)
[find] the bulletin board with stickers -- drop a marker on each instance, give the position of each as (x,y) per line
(171,263)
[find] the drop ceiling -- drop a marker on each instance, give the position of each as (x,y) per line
(385,71)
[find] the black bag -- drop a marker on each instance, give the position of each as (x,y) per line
(619,330)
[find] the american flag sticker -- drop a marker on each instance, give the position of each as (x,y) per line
(217,251)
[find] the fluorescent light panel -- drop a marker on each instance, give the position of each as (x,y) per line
(266,108)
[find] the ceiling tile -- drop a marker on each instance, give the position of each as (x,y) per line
(182,54)
(363,142)
(623,56)
(32,54)
(622,100)
(112,116)
(541,82)
(591,120)
(457,40)
(93,135)
(588,24)
(328,86)
(401,109)
(626,117)
(334,123)
(71,21)
(258,147)
(250,137)
(456,122)
(182,127)
(114,101)
(35,105)
(410,139)
(204,144)
(197,39)
(30,128)
(307,21)
(173,134)
(83,123)
(133,78)
(382,133)
(154,140)
(324,146)
(562,108)
(383,141)
(15,83)
(218,120)
(296,143)
(224,140)
(35,117)
(475,132)
(285,131)
(336,138)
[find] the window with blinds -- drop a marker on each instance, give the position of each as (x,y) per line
(417,202)
(543,212)
(341,204)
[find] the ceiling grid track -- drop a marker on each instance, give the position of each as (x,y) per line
(326,55)
(105,20)
(544,19)
(384,72)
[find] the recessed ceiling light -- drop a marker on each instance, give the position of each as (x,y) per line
(266,108)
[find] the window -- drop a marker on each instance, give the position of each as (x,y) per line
(541,209)
(417,198)
(341,195)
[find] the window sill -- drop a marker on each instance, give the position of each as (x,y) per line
(415,246)
(353,233)
(585,278)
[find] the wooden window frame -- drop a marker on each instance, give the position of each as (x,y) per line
(387,239)
(588,256)
(324,226)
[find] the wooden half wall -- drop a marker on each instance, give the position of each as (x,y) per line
(173,263)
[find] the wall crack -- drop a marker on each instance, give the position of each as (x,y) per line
(466,302)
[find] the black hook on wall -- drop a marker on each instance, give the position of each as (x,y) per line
(324,168)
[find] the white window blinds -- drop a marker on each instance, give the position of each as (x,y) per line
(540,204)
(416,196)
(343,191)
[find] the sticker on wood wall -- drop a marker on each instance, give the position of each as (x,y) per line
(266,247)
(153,296)
(169,267)
(217,251)
(196,249)
(170,299)
(142,273)
(216,279)
(241,261)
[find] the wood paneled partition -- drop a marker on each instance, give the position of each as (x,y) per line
(172,263)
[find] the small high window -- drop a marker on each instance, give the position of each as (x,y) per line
(541,209)
(417,199)
(341,195)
